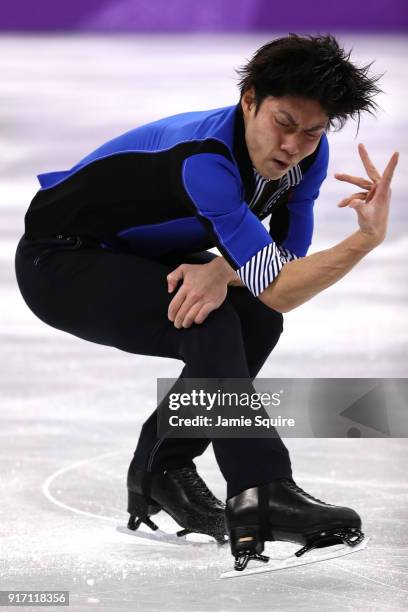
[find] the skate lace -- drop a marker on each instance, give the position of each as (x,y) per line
(292,484)
(189,477)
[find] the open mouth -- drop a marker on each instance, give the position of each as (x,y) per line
(282,165)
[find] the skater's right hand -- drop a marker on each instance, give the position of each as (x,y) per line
(372,205)
(204,288)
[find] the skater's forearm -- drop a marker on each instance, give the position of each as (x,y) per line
(302,279)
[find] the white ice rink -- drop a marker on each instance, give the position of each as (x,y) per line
(71,411)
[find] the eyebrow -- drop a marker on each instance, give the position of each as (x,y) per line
(293,122)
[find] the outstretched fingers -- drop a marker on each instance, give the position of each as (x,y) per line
(385,183)
(368,164)
(354,180)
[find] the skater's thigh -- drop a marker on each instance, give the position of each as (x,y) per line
(259,323)
(256,318)
(117,299)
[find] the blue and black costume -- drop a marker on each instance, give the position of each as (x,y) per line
(185,184)
(101,238)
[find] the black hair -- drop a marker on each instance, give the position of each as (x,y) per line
(313,67)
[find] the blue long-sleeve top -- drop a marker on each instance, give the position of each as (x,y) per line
(183,184)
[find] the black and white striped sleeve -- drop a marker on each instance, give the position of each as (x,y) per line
(262,269)
(286,255)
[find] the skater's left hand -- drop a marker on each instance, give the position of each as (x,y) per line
(204,289)
(370,184)
(372,205)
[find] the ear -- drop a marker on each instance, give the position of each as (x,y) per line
(248,101)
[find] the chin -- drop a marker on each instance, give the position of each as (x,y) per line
(279,175)
(273,176)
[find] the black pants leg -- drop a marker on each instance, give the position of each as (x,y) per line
(260,328)
(121,300)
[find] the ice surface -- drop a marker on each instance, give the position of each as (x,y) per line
(71,411)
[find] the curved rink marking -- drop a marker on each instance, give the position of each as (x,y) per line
(48,482)
(145,536)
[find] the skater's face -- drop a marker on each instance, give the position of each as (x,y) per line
(282,132)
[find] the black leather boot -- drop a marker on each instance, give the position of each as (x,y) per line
(182,493)
(281,510)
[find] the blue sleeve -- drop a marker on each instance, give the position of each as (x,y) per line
(301,203)
(214,187)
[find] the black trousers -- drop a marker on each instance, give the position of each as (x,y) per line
(121,300)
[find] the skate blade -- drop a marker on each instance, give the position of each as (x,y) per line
(314,556)
(161,537)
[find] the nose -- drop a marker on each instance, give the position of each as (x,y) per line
(291,144)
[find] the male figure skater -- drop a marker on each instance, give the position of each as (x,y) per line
(114,252)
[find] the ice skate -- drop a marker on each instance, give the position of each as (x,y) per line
(282,511)
(181,493)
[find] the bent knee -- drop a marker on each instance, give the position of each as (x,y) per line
(221,330)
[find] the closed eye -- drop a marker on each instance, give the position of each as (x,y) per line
(313,135)
(282,124)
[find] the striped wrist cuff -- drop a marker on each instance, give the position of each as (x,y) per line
(263,267)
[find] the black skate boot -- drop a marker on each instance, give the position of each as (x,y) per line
(183,494)
(281,510)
